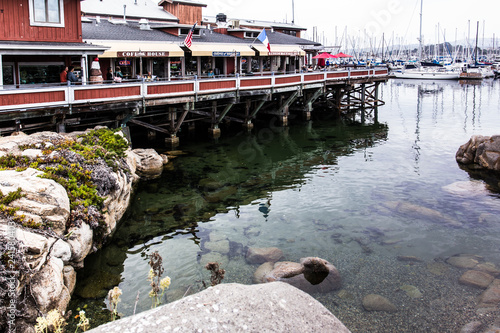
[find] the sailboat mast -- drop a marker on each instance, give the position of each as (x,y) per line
(475,51)
(420,38)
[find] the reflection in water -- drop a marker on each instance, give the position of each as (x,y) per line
(383,203)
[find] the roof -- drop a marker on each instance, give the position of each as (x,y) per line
(257,23)
(281,38)
(188,2)
(148,9)
(18,47)
(106,30)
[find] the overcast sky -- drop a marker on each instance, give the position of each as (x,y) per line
(398,18)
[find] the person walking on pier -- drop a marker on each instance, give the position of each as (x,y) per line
(109,76)
(71,75)
(63,76)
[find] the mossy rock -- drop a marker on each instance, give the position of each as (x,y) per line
(97,285)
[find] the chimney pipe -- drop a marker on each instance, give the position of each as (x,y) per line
(124,12)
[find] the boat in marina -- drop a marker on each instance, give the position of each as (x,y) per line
(426,73)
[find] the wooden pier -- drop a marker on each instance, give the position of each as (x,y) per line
(165,106)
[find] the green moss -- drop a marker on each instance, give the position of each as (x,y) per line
(101,144)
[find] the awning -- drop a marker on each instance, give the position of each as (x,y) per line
(279,50)
(122,49)
(221,50)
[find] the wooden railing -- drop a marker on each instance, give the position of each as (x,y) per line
(28,97)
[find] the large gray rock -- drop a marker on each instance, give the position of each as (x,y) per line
(44,200)
(480,152)
(149,163)
(271,307)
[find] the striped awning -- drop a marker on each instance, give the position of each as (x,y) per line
(221,50)
(133,49)
(279,50)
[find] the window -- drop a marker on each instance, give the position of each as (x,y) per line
(251,34)
(47,13)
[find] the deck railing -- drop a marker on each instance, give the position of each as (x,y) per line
(26,97)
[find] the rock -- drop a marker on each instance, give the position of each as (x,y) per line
(373,302)
(411,291)
(221,246)
(32,153)
(262,271)
(35,243)
(421,212)
(438,268)
(472,327)
(491,296)
(43,198)
(261,255)
(312,275)
(273,307)
(80,241)
(467,188)
(149,163)
(214,257)
(409,258)
(69,278)
(476,279)
(47,286)
(488,267)
(209,184)
(220,195)
(463,261)
(61,250)
(481,151)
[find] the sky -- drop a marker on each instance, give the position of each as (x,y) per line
(367,20)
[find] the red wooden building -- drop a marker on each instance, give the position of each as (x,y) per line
(38,38)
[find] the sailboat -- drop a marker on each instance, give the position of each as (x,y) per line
(421,72)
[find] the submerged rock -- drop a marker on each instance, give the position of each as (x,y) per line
(476,279)
(463,261)
(411,291)
(259,255)
(312,275)
(421,212)
(373,302)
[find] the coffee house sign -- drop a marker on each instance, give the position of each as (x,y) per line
(137,54)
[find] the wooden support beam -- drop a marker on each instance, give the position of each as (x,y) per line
(259,106)
(149,126)
(224,113)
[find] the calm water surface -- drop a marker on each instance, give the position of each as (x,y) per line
(331,190)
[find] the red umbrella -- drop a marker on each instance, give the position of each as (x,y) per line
(342,55)
(324,55)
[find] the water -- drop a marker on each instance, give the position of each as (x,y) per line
(326,189)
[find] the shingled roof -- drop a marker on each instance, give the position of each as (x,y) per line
(136,9)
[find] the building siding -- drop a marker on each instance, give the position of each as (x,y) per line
(15,23)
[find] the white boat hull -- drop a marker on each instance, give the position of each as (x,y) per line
(427,75)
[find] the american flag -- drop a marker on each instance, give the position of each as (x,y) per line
(189,38)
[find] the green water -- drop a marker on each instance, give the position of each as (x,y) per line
(325,189)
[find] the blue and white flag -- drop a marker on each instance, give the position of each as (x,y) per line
(263,38)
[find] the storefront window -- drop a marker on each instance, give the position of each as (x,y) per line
(175,67)
(159,68)
(8,74)
(206,65)
(125,67)
(191,65)
(33,74)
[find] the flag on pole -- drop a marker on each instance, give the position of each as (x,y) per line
(263,38)
(189,38)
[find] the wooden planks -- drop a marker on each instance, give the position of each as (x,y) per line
(32,98)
